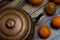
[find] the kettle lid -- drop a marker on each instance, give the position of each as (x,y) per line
(15,24)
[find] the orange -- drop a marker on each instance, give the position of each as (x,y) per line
(56,1)
(56,22)
(36,2)
(50,8)
(44,31)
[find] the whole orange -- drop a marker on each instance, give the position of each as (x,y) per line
(50,8)
(36,2)
(44,31)
(56,1)
(56,22)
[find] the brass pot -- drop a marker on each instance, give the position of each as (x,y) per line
(16,24)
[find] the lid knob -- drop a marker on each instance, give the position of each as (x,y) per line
(10,23)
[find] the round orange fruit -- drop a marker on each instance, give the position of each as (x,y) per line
(56,1)
(44,31)
(50,8)
(36,2)
(56,22)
